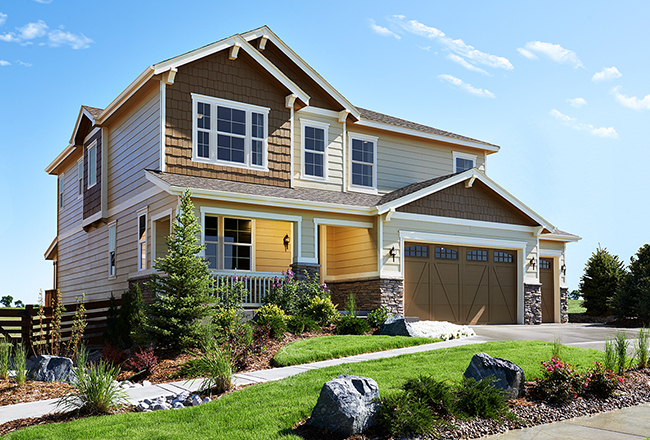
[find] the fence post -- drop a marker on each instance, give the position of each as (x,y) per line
(26,327)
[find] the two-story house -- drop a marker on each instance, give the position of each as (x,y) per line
(286,173)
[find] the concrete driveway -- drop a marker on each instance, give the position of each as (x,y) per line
(577,335)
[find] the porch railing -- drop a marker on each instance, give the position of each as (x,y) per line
(258,284)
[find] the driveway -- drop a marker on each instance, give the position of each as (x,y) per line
(582,335)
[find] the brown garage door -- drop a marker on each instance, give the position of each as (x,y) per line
(548,289)
(460,284)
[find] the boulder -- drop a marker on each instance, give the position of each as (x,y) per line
(346,405)
(396,325)
(507,376)
(49,368)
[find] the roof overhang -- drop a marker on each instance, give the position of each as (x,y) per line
(470,176)
(52,250)
(265,33)
(567,238)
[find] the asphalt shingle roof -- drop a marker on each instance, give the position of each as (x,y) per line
(94,111)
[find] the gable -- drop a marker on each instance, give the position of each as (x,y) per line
(478,202)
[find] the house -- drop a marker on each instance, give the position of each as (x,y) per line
(285,173)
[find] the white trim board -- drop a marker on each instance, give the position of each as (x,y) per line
(428,237)
(461,222)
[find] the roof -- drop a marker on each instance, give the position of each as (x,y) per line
(391,120)
(410,189)
(94,111)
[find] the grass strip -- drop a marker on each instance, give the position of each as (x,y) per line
(575,306)
(333,347)
(269,410)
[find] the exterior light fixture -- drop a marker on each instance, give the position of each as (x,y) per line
(286,241)
(563,269)
(533,263)
(392,253)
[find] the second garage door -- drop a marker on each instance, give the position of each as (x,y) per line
(460,284)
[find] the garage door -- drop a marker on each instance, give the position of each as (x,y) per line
(548,289)
(460,284)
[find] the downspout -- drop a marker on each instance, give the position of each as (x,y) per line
(163,125)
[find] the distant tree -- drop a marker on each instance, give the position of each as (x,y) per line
(574,294)
(6,300)
(603,273)
(18,303)
(183,286)
(632,299)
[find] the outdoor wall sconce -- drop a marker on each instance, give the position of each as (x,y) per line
(392,252)
(532,263)
(286,241)
(563,269)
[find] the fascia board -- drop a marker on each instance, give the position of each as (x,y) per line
(560,237)
(51,168)
(225,44)
(50,249)
(425,135)
(265,31)
(263,200)
(126,94)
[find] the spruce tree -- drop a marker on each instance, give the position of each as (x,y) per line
(632,300)
(182,285)
(603,273)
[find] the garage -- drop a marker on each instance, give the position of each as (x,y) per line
(547,278)
(463,285)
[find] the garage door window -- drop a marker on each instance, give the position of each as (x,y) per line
(477,256)
(446,253)
(503,257)
(544,263)
(417,251)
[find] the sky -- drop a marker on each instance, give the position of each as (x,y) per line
(561,86)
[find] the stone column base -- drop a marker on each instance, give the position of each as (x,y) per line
(532,304)
(564,305)
(147,294)
(370,294)
(299,270)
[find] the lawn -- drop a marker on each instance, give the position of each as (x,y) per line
(575,306)
(270,410)
(333,347)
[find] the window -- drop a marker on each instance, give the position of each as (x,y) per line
(142,241)
(544,263)
(92,164)
(446,253)
(503,257)
(416,251)
(363,162)
(80,178)
(477,256)
(61,187)
(229,133)
(463,161)
(112,229)
(228,243)
(314,149)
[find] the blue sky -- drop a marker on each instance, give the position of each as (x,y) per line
(561,86)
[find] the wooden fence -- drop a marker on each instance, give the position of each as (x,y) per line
(26,326)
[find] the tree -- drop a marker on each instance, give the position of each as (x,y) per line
(574,294)
(633,296)
(603,273)
(182,287)
(19,303)
(6,300)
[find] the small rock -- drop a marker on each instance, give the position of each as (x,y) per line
(136,385)
(178,405)
(183,396)
(397,326)
(142,406)
(195,400)
(146,383)
(159,406)
(147,401)
(206,400)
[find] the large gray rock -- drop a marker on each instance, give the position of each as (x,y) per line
(508,376)
(396,325)
(345,405)
(49,368)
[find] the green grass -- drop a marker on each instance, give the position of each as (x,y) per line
(333,347)
(269,410)
(575,306)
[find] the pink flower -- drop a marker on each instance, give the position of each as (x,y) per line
(620,379)
(575,395)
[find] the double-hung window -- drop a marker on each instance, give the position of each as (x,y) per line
(80,178)
(92,164)
(142,240)
(463,161)
(112,230)
(314,149)
(363,163)
(228,243)
(61,188)
(229,133)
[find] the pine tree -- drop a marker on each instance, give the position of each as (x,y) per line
(633,297)
(182,287)
(603,273)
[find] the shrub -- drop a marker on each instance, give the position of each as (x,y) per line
(621,345)
(403,415)
(641,347)
(559,382)
(5,354)
(481,399)
(609,360)
(273,316)
(247,342)
(214,365)
(82,357)
(6,300)
(298,324)
(226,322)
(350,324)
(143,360)
(603,273)
(601,382)
(20,359)
(95,391)
(433,393)
(292,295)
(231,294)
(378,316)
(124,323)
(112,355)
(633,296)
(78,327)
(321,310)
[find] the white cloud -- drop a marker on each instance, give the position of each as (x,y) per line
(528,54)
(607,74)
(457,46)
(33,30)
(3,18)
(427,48)
(4,63)
(463,62)
(384,32)
(554,51)
(58,38)
(577,102)
(631,101)
(24,64)
(467,87)
(9,37)
(45,2)
(604,132)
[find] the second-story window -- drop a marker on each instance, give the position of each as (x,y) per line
(229,133)
(92,164)
(142,241)
(80,177)
(112,230)
(61,187)
(363,163)
(463,161)
(314,149)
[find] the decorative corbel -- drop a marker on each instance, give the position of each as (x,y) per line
(290,100)
(170,76)
(234,51)
(343,115)
(263,41)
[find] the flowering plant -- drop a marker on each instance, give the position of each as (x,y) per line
(601,382)
(293,295)
(559,382)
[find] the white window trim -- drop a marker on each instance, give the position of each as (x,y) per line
(248,108)
(140,213)
(80,178)
(304,123)
(61,190)
(112,274)
(459,155)
(221,244)
(168,213)
(93,145)
(365,138)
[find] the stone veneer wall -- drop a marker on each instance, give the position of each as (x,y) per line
(370,294)
(299,270)
(564,305)
(532,303)
(147,294)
